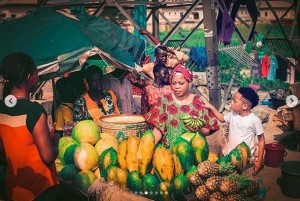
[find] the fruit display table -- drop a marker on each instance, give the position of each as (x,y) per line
(104,191)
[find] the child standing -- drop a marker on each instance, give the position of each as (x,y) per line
(244,126)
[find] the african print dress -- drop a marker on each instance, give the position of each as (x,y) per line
(165,117)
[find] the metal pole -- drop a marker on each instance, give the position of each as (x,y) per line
(195,4)
(211,44)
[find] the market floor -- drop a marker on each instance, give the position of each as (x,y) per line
(271,176)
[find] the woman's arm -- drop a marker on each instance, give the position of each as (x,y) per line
(46,146)
(157,135)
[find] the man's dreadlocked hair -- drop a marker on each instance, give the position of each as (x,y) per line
(250,95)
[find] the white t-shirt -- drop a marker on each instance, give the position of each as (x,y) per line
(243,129)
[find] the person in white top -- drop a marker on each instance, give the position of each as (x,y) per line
(244,126)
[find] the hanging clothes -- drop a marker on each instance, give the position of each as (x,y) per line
(265,66)
(225,24)
(281,72)
(255,71)
(273,68)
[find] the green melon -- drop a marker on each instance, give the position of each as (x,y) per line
(86,157)
(66,149)
(83,180)
(86,131)
(68,173)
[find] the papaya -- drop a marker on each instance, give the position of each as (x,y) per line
(177,165)
(111,173)
(97,173)
(223,160)
(134,182)
(66,149)
(163,163)
(122,177)
(122,154)
(235,158)
(131,153)
(86,131)
(184,150)
(108,157)
(145,152)
(165,189)
(245,153)
(212,157)
(188,136)
(200,147)
(191,171)
(181,187)
(150,184)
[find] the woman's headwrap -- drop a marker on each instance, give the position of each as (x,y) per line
(180,69)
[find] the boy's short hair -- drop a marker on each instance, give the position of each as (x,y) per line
(250,95)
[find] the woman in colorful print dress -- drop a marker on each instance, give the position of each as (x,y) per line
(164,116)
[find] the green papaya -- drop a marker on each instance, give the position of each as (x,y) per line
(235,158)
(134,182)
(184,150)
(163,163)
(245,153)
(150,186)
(145,152)
(181,187)
(200,147)
(108,157)
(191,171)
(165,190)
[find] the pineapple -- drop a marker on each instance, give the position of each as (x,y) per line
(251,189)
(216,196)
(208,168)
(229,186)
(255,198)
(202,193)
(196,180)
(213,183)
(234,197)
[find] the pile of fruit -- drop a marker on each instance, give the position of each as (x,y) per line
(221,180)
(153,171)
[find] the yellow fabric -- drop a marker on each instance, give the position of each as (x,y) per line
(63,115)
(95,111)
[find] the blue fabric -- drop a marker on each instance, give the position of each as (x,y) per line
(198,57)
(273,68)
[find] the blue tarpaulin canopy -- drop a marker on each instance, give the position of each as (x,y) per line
(61,41)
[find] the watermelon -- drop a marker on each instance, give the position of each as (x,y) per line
(86,157)
(184,150)
(86,131)
(83,180)
(66,149)
(68,173)
(134,182)
(150,186)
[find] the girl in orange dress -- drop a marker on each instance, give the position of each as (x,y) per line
(25,142)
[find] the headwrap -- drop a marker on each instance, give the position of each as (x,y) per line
(180,69)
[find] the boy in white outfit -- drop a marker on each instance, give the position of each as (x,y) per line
(244,126)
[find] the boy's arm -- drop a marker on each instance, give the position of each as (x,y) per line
(261,147)
(217,114)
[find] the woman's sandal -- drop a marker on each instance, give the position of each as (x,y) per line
(257,171)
